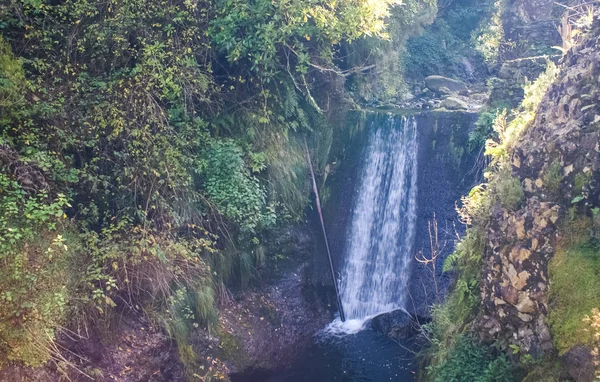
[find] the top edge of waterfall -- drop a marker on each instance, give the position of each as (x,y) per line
(410,112)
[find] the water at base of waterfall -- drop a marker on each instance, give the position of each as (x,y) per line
(365,356)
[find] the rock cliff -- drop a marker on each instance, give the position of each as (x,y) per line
(557,162)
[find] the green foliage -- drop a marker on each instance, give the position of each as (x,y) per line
(469,361)
(442,48)
(489,37)
(36,250)
(581,180)
(508,133)
(484,127)
(255,34)
(449,320)
(574,287)
(508,190)
(237,194)
(12,78)
(138,168)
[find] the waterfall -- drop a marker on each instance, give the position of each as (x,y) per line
(381,235)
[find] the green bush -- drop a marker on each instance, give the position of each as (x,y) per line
(509,191)
(484,127)
(237,194)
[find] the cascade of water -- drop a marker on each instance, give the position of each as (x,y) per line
(381,235)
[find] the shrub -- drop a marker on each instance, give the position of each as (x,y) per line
(489,36)
(37,247)
(12,79)
(470,361)
(553,176)
(237,194)
(484,127)
(509,132)
(509,191)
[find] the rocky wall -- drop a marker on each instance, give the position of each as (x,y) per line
(566,131)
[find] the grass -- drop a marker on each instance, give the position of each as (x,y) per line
(574,287)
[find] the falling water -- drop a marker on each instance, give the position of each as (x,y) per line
(380,239)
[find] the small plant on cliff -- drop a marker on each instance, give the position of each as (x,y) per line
(553,176)
(508,190)
(470,361)
(510,128)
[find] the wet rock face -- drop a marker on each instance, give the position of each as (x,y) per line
(446,171)
(565,135)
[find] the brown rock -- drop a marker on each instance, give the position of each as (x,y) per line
(534,244)
(510,295)
(520,228)
(539,183)
(525,317)
(519,254)
(525,305)
(580,364)
(517,280)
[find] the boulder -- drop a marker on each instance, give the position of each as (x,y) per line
(452,103)
(436,83)
(397,325)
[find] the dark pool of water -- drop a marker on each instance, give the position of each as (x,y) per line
(366,356)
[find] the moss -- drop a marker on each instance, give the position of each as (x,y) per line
(457,150)
(581,180)
(553,176)
(574,287)
(229,345)
(549,370)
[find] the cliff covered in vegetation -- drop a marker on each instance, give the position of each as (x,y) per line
(153,156)
(524,305)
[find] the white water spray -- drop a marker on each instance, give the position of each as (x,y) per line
(380,239)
